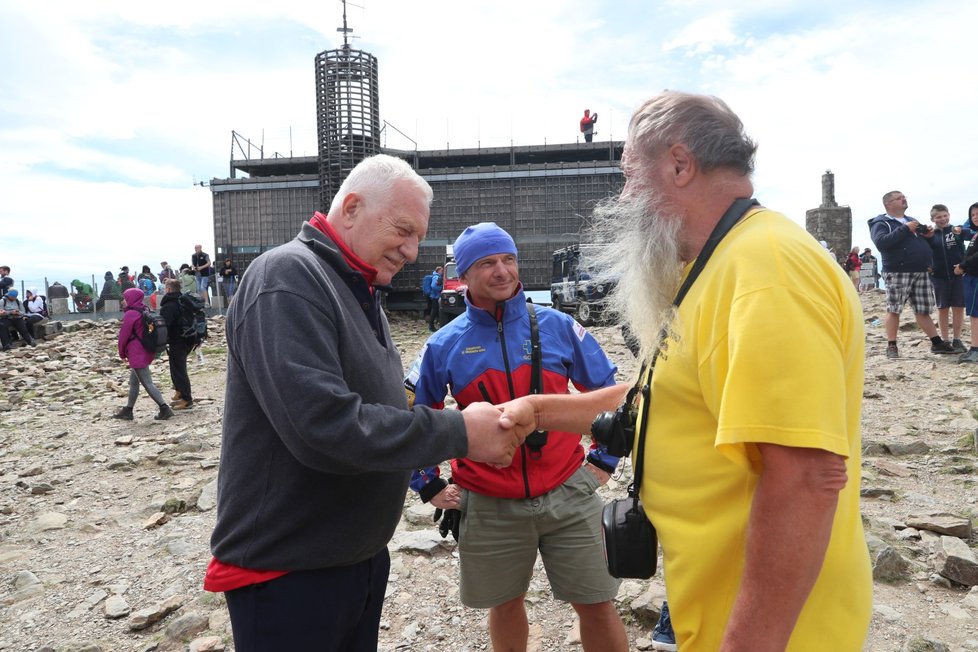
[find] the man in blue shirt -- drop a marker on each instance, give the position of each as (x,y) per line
(434,292)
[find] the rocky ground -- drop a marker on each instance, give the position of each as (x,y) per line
(104,524)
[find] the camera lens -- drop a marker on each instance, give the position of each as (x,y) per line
(601,427)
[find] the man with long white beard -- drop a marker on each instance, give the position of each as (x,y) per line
(751,428)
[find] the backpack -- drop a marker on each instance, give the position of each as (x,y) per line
(147,286)
(193,319)
(153,334)
(426,285)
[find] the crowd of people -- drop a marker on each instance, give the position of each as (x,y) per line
(199,276)
(929,266)
(19,317)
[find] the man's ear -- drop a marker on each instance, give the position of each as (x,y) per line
(349,209)
(683,165)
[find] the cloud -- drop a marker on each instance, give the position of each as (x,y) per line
(705,34)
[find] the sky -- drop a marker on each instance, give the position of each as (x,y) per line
(113,113)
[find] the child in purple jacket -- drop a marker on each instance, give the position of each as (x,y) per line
(131,349)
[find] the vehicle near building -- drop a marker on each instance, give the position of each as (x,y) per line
(572,288)
(450,303)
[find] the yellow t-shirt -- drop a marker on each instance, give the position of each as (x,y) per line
(769,350)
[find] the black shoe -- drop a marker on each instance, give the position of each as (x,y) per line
(891,351)
(943,347)
(165,413)
(124,413)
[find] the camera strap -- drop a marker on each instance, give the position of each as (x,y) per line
(538,438)
(733,215)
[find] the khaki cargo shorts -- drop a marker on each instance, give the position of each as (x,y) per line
(499,539)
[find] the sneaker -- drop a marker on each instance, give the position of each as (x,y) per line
(943,347)
(165,413)
(663,638)
(891,351)
(959,346)
(182,404)
(970,356)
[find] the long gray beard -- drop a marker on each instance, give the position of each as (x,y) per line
(638,246)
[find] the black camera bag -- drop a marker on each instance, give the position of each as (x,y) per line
(630,542)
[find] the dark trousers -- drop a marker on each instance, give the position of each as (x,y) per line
(18,324)
(327,610)
(179,350)
(31,321)
(433,315)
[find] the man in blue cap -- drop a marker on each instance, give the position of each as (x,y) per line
(499,349)
(12,317)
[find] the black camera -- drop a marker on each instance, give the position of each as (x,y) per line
(924,229)
(616,430)
(630,541)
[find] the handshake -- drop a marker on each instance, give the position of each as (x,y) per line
(495,432)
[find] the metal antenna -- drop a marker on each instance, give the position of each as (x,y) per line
(344,30)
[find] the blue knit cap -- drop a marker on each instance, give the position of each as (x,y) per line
(479,241)
(12,293)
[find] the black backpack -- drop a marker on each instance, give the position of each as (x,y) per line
(193,319)
(153,334)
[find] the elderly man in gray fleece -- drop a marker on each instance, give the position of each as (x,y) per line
(318,437)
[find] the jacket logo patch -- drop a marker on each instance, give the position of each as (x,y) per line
(473,349)
(580,331)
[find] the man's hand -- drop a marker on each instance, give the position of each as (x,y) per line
(566,412)
(448,498)
(520,414)
(491,439)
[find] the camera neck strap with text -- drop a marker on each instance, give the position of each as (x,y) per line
(733,215)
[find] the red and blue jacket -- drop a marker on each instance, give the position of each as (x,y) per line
(481,356)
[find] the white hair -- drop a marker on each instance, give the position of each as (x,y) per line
(640,251)
(376,177)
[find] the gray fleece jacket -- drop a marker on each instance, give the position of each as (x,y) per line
(318,441)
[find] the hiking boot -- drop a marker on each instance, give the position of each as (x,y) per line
(959,346)
(943,347)
(124,413)
(182,404)
(165,413)
(970,356)
(663,638)
(891,351)
(176,397)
